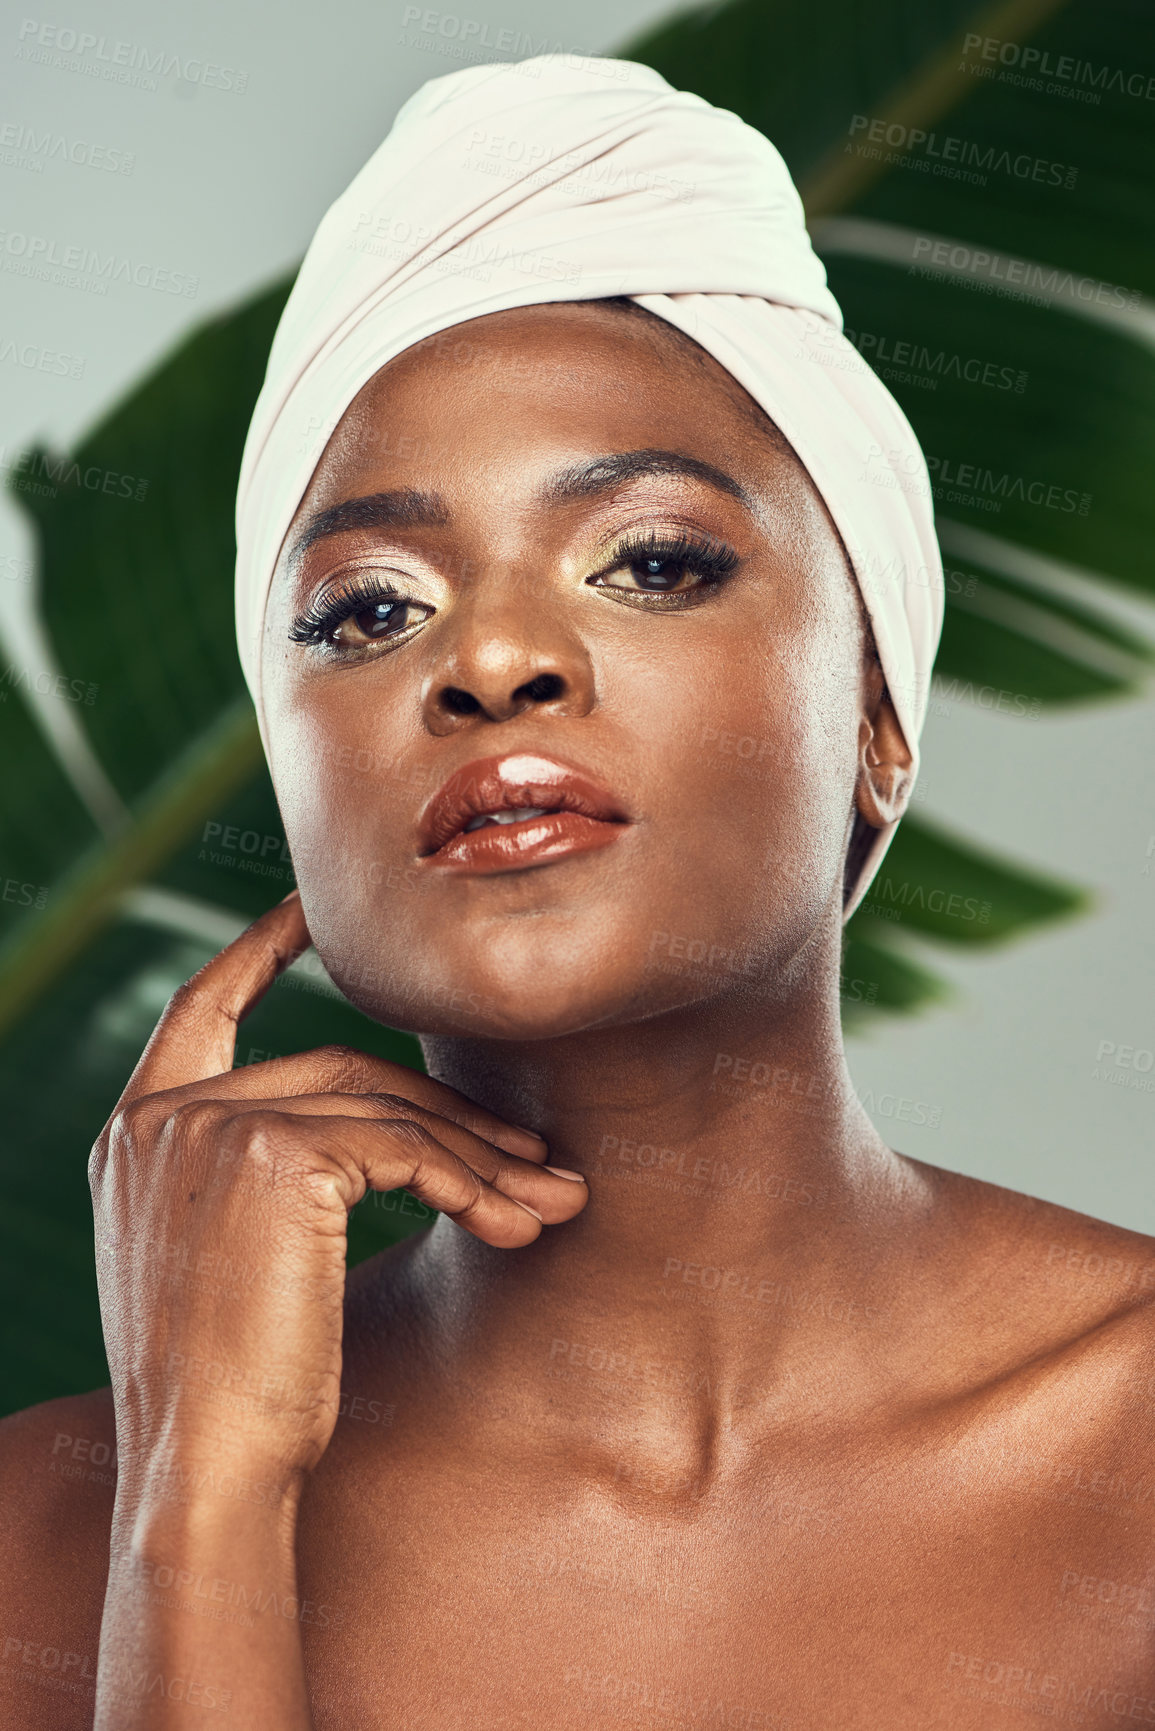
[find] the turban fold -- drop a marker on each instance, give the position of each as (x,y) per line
(558,179)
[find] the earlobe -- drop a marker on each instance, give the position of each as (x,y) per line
(885,776)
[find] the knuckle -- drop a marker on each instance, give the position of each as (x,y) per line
(359,1071)
(409,1134)
(193,1119)
(447,1181)
(474,1200)
(280,1152)
(325,1183)
(263,1134)
(264,1149)
(493,1165)
(394,1103)
(187,993)
(127,1127)
(121,1141)
(97,1162)
(346,1060)
(441,1177)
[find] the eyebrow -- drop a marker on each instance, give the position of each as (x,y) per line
(587,480)
(412,508)
(405,508)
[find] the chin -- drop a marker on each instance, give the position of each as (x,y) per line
(475,1013)
(519,989)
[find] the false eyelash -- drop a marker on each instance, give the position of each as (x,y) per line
(332,609)
(711,560)
(707,558)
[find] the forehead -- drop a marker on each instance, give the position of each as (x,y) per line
(588,372)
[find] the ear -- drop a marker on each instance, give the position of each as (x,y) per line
(885,775)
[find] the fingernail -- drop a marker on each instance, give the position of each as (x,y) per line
(561,1172)
(530,1210)
(537,1136)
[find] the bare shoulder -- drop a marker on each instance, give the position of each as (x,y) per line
(57,1486)
(1059,1300)
(1097,1281)
(1069,1262)
(1045,1248)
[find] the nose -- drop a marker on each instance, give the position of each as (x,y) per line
(503,658)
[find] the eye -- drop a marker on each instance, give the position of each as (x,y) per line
(677,566)
(357,614)
(657,574)
(381,619)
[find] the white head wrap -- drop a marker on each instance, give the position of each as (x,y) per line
(560,179)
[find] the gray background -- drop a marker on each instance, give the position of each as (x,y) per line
(228,185)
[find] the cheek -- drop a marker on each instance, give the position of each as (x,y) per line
(349,794)
(761,745)
(814,687)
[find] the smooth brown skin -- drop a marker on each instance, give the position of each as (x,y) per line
(760,1506)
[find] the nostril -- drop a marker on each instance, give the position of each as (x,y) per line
(460,702)
(544,689)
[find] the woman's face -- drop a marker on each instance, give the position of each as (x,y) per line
(551,564)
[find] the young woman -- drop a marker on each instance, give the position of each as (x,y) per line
(698,1405)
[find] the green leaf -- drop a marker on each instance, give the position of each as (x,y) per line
(943,888)
(88,894)
(1003,650)
(42,822)
(797,83)
(71,1056)
(138,592)
(136,561)
(876,977)
(137,596)
(1038,421)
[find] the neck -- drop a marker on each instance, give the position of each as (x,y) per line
(742,1208)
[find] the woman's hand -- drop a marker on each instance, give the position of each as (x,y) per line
(221,1199)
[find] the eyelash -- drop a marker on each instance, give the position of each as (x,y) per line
(317,623)
(712,561)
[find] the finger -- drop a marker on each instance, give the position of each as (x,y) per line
(554,1198)
(396,1154)
(347,1071)
(196,1036)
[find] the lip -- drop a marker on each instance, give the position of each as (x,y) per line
(580,814)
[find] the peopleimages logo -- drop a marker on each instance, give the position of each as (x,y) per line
(71,50)
(929,256)
(504,155)
(948,691)
(37,256)
(914,362)
(37,471)
(48,684)
(461,38)
(38,360)
(993,490)
(473,257)
(23,147)
(1066,70)
(915,146)
(889,899)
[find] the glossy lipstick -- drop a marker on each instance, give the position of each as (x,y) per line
(509,813)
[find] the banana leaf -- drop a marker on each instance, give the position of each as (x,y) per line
(139,824)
